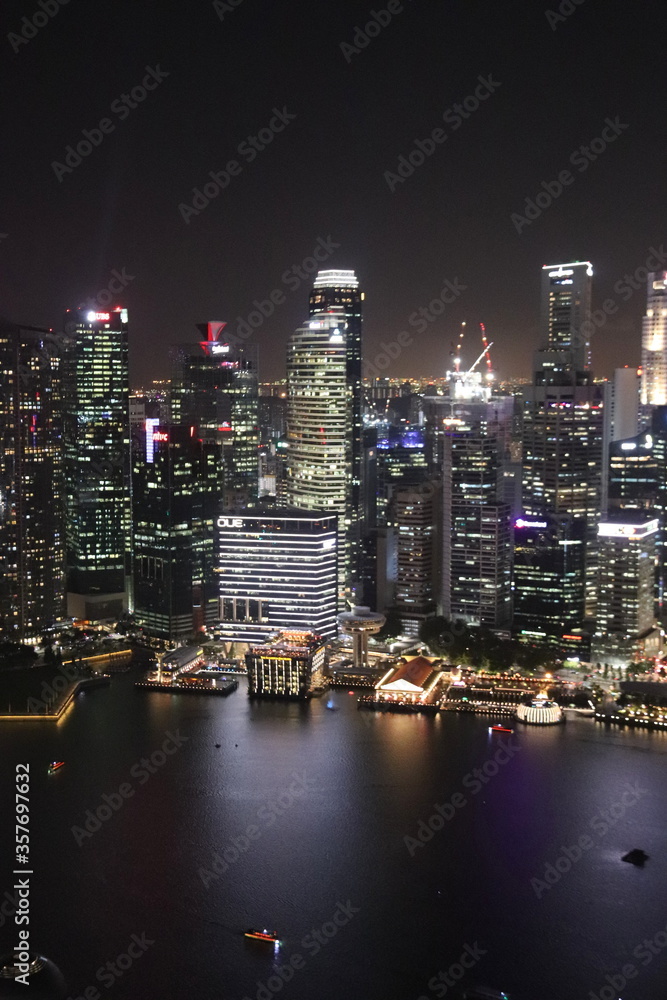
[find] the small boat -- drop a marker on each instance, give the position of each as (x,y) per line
(636,857)
(484,993)
(55,765)
(330,705)
(262,935)
(500,729)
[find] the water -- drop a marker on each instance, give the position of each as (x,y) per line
(312,808)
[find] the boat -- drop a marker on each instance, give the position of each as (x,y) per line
(636,857)
(55,765)
(500,729)
(262,935)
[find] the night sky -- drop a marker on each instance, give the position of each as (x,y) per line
(323,175)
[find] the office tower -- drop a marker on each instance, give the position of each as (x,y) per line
(477,541)
(277,572)
(215,388)
(319,429)
(627,557)
(654,342)
(337,294)
(621,418)
(412,543)
(32,547)
(549,582)
(97,462)
(285,666)
(565,307)
(562,415)
(175,481)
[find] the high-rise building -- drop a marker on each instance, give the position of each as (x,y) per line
(176,500)
(284,666)
(477,539)
(627,580)
(215,388)
(621,418)
(336,293)
(563,415)
(32,546)
(565,307)
(319,428)
(549,583)
(96,439)
(654,342)
(276,572)
(412,546)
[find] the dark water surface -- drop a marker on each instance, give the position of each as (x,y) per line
(312,808)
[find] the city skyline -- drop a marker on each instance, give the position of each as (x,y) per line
(443,222)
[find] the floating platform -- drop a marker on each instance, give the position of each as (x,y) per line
(222,690)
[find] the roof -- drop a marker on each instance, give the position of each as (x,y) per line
(411,674)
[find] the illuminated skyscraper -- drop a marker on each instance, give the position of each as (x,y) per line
(654,342)
(565,319)
(32,581)
(477,542)
(176,499)
(336,293)
(562,416)
(319,427)
(97,462)
(215,388)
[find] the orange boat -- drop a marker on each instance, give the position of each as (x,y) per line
(262,935)
(500,729)
(55,765)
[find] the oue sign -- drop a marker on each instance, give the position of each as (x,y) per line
(230,522)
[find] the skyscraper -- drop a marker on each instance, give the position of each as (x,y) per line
(654,342)
(477,541)
(565,307)
(215,388)
(562,414)
(336,293)
(277,572)
(175,485)
(319,428)
(32,547)
(97,462)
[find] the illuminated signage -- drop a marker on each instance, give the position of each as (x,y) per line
(607,530)
(560,273)
(220,349)
(520,523)
(230,522)
(160,436)
(94,317)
